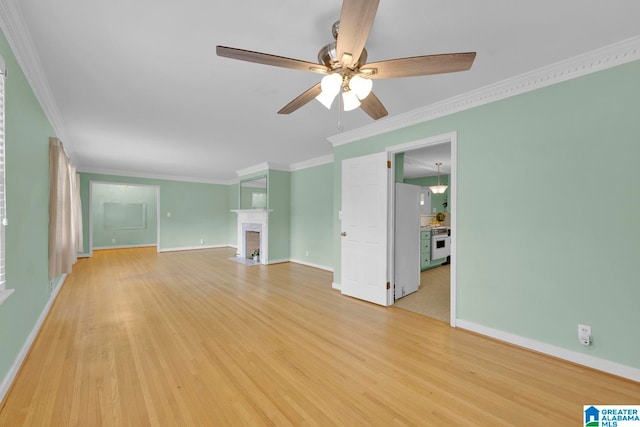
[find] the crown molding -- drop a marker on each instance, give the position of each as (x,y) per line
(317,161)
(253,169)
(123,173)
(261,167)
(243,172)
(596,60)
(17,35)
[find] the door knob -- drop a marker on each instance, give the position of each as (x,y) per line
(343,234)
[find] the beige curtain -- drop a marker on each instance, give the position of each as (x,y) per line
(65,212)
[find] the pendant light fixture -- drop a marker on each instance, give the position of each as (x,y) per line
(438,189)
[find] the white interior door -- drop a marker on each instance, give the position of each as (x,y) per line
(364,228)
(407,239)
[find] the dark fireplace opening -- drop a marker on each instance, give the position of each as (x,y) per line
(252,242)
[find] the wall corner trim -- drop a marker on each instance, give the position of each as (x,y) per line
(337,286)
(551,350)
(22,355)
(600,59)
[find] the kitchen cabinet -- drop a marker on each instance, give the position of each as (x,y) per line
(425,251)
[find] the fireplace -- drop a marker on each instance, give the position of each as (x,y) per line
(253,233)
(251,239)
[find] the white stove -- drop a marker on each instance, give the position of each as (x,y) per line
(440,243)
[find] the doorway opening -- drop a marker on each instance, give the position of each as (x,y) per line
(414,165)
(123,215)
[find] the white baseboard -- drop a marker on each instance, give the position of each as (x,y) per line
(337,286)
(278,261)
(11,375)
(147,245)
(569,355)
(310,264)
(192,248)
(84,255)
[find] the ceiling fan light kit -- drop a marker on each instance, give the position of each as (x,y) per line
(361,86)
(344,63)
(330,85)
(350,100)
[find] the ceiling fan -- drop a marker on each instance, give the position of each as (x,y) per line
(343,62)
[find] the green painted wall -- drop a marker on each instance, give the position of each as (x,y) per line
(124,194)
(198,211)
(233,194)
(279,195)
(311,215)
(437,200)
(548,207)
(27,188)
(398,165)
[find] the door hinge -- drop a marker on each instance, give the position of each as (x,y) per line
(388,164)
(388,285)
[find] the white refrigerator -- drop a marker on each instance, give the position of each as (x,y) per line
(407,239)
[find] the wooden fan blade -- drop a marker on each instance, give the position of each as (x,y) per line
(418,66)
(267,59)
(356,19)
(301,100)
(373,107)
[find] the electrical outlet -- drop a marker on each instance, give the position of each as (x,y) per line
(168,214)
(202,241)
(584,334)
(113,240)
(584,330)
(307,253)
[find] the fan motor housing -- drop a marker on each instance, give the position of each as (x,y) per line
(328,54)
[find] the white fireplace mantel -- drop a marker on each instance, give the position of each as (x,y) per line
(249,219)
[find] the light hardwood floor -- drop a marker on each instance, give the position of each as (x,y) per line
(137,338)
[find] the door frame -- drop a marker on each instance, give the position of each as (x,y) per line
(157,188)
(451,137)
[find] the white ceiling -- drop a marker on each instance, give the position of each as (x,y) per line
(137,86)
(421,162)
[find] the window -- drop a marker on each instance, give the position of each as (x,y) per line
(4,292)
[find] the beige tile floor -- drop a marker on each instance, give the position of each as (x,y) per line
(433,297)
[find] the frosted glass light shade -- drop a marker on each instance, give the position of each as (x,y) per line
(330,85)
(361,87)
(438,189)
(326,98)
(350,100)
